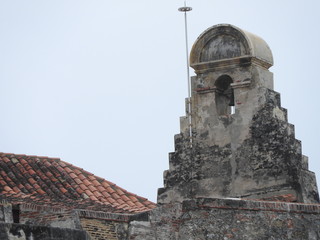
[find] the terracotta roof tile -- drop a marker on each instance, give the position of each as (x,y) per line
(120,201)
(139,204)
(46,163)
(81,176)
(119,191)
(73,175)
(125,198)
(88,192)
(133,204)
(46,180)
(110,190)
(40,191)
(111,200)
(6,188)
(115,196)
(92,197)
(100,188)
(87,182)
(92,188)
(68,170)
(63,190)
(106,194)
(96,183)
(105,184)
(91,177)
(77,180)
(79,190)
(97,194)
(77,171)
(62,163)
(133,198)
(32,181)
(125,206)
(28,186)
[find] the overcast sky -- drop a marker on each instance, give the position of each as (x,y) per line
(101,84)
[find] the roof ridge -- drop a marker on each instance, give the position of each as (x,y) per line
(29,156)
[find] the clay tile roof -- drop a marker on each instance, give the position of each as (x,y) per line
(44,180)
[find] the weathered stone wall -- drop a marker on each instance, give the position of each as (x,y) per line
(14,231)
(45,221)
(47,216)
(222,219)
(267,165)
(239,219)
(242,144)
(6,213)
(141,230)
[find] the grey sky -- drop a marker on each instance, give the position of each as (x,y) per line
(101,84)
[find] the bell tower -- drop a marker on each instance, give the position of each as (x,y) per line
(242,144)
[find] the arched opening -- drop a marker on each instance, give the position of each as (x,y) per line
(224,95)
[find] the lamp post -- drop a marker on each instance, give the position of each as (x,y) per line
(186,9)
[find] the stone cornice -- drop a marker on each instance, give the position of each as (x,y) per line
(229,63)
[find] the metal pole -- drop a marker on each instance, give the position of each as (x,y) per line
(186,9)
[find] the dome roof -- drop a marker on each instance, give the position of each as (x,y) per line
(226,42)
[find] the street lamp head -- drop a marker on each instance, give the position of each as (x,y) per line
(185,9)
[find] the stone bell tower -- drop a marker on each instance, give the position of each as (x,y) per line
(242,144)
